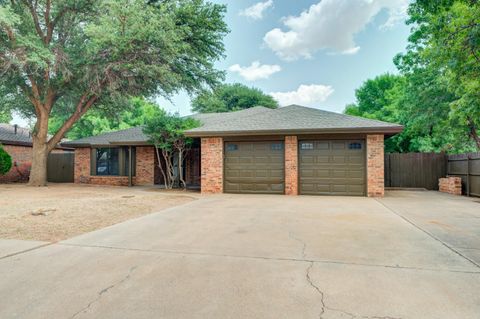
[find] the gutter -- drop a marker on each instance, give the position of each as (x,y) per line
(383,130)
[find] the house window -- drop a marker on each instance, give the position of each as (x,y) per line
(113,161)
(232,147)
(276,146)
(355,146)
(306,146)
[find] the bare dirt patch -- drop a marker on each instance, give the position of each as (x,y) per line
(61,211)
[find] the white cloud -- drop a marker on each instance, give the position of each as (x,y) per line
(306,95)
(330,25)
(256,11)
(255,71)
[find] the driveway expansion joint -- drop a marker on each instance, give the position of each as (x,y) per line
(336,262)
(427,233)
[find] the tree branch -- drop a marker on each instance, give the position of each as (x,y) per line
(36,22)
(82,107)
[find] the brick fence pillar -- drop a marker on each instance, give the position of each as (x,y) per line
(375,166)
(212,165)
(291,165)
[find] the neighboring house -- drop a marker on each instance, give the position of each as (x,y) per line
(17,141)
(291,150)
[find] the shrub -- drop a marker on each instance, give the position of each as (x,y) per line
(5,161)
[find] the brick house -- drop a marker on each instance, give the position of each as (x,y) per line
(17,141)
(291,150)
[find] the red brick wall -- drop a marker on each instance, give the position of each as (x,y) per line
(212,165)
(144,169)
(291,165)
(375,169)
(451,185)
(21,164)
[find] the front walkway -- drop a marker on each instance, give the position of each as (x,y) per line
(410,255)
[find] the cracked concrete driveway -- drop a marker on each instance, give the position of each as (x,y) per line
(409,255)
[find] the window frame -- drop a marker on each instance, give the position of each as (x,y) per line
(122,158)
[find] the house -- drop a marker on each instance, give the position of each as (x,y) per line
(290,150)
(17,141)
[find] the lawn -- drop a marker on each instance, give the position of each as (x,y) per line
(61,211)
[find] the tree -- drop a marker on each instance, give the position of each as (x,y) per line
(67,57)
(96,122)
(446,38)
(231,97)
(166,132)
(5,161)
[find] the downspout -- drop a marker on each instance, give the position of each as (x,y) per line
(130,166)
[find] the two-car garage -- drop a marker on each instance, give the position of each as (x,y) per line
(325,167)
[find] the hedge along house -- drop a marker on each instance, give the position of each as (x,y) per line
(291,150)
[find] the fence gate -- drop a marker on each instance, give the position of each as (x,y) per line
(466,166)
(60,167)
(418,170)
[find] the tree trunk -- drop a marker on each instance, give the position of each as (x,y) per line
(473,133)
(38,172)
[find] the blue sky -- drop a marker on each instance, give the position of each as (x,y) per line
(309,52)
(330,47)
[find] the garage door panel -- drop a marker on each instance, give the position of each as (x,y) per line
(254,167)
(332,167)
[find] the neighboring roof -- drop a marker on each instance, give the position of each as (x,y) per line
(10,135)
(130,136)
(289,119)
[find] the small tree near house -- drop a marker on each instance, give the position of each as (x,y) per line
(166,132)
(5,161)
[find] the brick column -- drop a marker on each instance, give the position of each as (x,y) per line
(212,165)
(375,168)
(145,166)
(291,165)
(82,165)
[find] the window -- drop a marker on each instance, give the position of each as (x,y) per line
(355,146)
(276,146)
(306,146)
(232,147)
(112,161)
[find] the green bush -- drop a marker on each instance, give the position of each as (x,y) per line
(5,161)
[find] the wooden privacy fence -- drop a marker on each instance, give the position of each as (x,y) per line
(466,166)
(417,170)
(60,167)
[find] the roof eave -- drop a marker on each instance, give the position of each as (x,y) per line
(110,144)
(370,130)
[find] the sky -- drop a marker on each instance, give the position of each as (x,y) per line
(307,52)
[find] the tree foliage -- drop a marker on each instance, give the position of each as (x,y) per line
(166,132)
(437,94)
(68,56)
(5,161)
(231,97)
(96,121)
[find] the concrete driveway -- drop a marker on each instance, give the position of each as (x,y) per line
(409,255)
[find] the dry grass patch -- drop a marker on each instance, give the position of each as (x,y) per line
(61,211)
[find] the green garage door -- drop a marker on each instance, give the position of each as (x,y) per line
(332,167)
(254,167)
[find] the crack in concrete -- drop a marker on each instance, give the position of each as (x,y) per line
(104,291)
(308,277)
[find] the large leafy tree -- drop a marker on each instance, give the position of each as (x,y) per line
(231,97)
(445,43)
(69,56)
